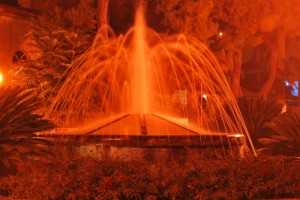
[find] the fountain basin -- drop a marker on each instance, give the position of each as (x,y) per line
(144,130)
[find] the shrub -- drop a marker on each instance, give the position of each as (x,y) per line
(17,125)
(87,178)
(286,137)
(257,112)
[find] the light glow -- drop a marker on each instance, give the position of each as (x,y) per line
(237,135)
(1,78)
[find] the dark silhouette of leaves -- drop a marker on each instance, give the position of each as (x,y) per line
(18,123)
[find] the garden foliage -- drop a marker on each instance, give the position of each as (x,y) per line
(286,137)
(257,112)
(60,35)
(17,125)
(87,178)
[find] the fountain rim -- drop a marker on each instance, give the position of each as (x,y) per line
(190,138)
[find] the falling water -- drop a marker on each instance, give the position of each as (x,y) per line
(143,72)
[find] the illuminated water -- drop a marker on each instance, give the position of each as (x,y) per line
(175,77)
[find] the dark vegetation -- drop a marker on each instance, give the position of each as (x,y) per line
(17,125)
(269,128)
(194,177)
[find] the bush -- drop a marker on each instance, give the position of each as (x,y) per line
(257,112)
(17,125)
(286,137)
(86,178)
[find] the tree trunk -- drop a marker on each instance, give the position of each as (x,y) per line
(236,73)
(280,40)
(264,91)
(277,59)
(103,14)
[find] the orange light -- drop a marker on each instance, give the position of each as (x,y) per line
(1,78)
(220,34)
(237,135)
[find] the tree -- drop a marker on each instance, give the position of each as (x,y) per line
(102,12)
(10,2)
(62,34)
(239,23)
(287,38)
(189,17)
(271,28)
(278,21)
(226,26)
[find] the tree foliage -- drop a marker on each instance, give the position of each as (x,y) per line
(238,20)
(255,22)
(61,35)
(191,17)
(241,23)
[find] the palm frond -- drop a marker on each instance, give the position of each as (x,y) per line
(17,125)
(256,113)
(286,137)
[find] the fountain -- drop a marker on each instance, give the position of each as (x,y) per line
(146,89)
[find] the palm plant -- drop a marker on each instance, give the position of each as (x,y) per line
(17,125)
(286,137)
(256,113)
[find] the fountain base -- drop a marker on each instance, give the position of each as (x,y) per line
(146,130)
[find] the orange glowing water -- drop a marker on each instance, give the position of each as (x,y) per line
(140,84)
(144,72)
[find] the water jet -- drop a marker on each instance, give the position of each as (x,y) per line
(143,89)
